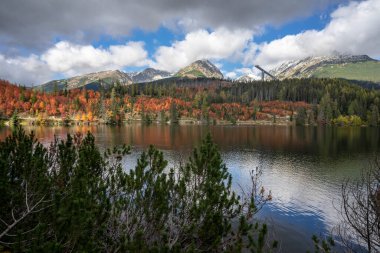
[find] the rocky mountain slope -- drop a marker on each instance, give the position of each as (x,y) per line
(248,78)
(149,75)
(104,79)
(352,67)
(93,80)
(200,68)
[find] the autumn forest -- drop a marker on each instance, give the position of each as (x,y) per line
(302,101)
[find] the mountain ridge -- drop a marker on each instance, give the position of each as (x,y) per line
(95,80)
(149,74)
(200,68)
(101,78)
(350,67)
(317,66)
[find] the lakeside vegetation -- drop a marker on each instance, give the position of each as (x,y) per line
(296,101)
(71,197)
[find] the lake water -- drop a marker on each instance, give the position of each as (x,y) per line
(302,166)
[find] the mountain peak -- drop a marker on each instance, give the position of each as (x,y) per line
(200,68)
(338,58)
(248,78)
(150,74)
(205,62)
(96,79)
(335,66)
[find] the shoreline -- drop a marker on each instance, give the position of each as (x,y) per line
(56,121)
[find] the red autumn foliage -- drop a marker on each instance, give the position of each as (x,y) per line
(89,105)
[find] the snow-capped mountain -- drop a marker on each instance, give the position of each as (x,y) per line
(322,66)
(248,78)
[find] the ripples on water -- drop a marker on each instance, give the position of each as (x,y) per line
(303,167)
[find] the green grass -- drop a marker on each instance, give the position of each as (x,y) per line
(195,73)
(363,71)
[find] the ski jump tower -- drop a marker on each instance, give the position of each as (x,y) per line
(264,72)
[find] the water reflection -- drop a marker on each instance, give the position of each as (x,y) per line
(304,167)
(321,141)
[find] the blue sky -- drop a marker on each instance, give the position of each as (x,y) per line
(40,41)
(165,37)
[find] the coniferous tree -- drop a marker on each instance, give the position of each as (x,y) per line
(325,111)
(301,116)
(374,116)
(72,198)
(24,187)
(311,117)
(173,113)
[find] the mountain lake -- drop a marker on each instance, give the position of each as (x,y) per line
(304,167)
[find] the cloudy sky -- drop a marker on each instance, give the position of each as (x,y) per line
(42,40)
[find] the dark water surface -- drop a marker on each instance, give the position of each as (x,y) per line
(303,167)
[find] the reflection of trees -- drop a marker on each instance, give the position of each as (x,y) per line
(360,210)
(323,141)
(332,141)
(373,138)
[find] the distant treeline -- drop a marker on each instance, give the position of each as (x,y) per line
(342,96)
(316,100)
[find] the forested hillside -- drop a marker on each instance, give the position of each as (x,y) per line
(312,101)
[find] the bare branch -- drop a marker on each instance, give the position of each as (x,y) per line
(28,211)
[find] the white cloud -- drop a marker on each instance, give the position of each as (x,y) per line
(35,24)
(72,59)
(253,73)
(353,29)
(245,71)
(201,44)
(24,70)
(231,75)
(68,59)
